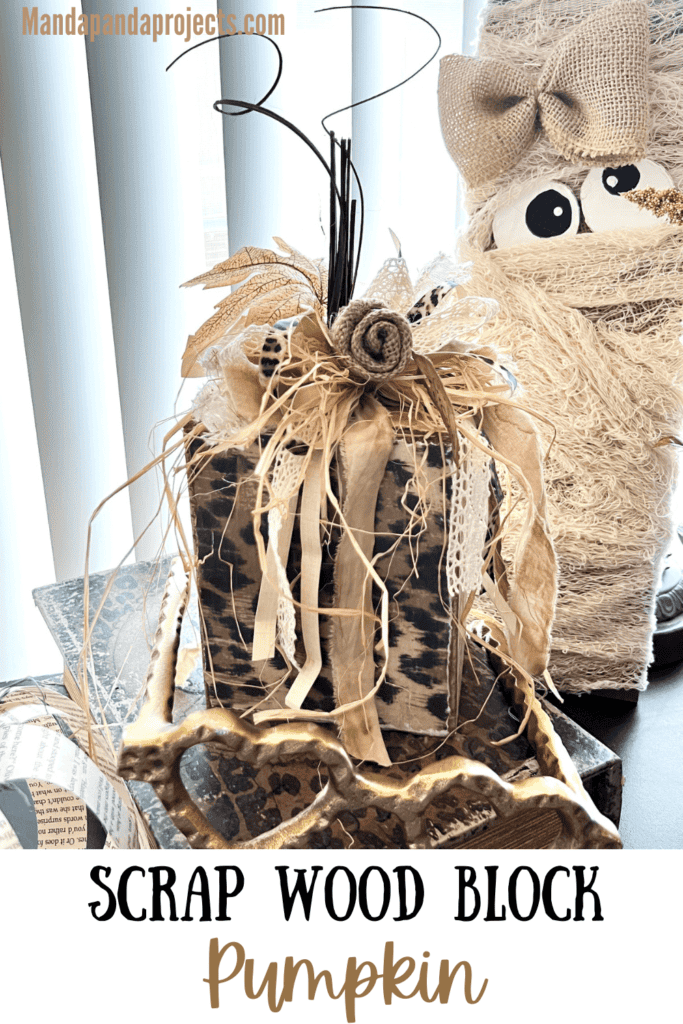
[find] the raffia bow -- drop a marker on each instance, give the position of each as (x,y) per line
(591,99)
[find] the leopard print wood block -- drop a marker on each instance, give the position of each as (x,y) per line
(414,697)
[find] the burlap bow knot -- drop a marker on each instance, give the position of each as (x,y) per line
(591,99)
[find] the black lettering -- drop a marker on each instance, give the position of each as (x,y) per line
(301,889)
(491,915)
(123,894)
(159,886)
(548,894)
(329,893)
(107,914)
(512,893)
(463,884)
(363,893)
(403,913)
(581,890)
(223,894)
(203,892)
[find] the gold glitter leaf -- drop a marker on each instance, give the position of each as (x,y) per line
(272,286)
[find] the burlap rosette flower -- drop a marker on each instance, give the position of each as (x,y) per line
(372,339)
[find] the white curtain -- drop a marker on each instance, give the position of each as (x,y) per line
(121,182)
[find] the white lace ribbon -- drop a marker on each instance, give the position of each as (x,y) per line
(275,610)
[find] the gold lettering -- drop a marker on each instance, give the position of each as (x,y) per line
(276,24)
(390,980)
(215,957)
(269,982)
(29,21)
(359,980)
(446,982)
(351,983)
(421,987)
(290,975)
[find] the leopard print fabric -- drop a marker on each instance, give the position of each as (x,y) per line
(428,302)
(274,348)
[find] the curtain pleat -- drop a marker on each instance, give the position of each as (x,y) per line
(56,234)
(25,549)
(139,147)
(275,185)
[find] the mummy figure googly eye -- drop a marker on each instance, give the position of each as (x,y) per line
(603,201)
(546,209)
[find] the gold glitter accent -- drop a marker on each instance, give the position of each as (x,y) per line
(662,202)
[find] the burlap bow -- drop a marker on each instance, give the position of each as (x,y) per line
(591,99)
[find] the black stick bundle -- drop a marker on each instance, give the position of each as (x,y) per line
(345,246)
(343,259)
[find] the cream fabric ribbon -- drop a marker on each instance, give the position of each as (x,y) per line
(529,610)
(312,498)
(591,99)
(366,449)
